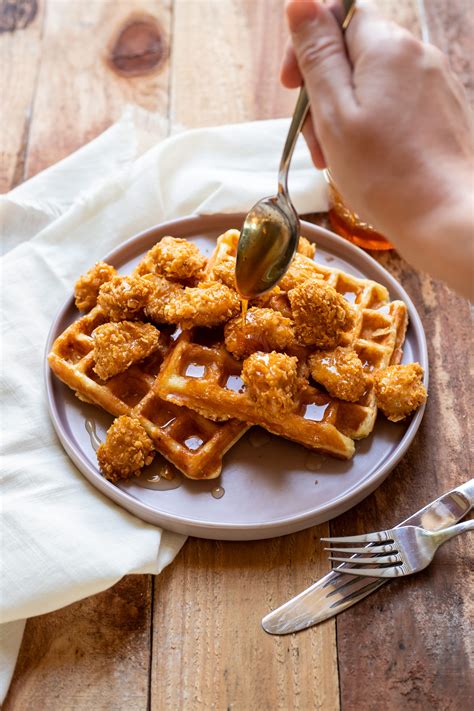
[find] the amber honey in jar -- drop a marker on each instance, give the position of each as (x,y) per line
(349,225)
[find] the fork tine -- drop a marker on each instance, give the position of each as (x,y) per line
(382,548)
(376,561)
(376,537)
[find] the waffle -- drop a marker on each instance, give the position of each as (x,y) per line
(194,444)
(201,374)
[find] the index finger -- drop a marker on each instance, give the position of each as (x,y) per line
(290,75)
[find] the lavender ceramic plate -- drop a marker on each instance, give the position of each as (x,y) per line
(269,486)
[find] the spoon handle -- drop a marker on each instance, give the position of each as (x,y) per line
(300,113)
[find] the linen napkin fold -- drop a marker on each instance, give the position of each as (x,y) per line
(61,539)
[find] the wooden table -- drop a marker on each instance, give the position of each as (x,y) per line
(191,638)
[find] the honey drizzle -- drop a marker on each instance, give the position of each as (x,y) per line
(244,307)
(90,426)
(218,492)
(163,478)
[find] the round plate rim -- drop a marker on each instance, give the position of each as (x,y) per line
(243,531)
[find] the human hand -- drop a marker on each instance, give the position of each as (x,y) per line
(390,120)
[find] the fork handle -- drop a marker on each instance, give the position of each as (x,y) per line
(446,533)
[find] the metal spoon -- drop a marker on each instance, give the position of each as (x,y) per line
(270,233)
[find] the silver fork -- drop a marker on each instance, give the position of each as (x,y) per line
(398,551)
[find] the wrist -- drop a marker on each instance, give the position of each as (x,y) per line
(440,241)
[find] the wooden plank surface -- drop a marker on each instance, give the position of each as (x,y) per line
(233,75)
(190,638)
(209,651)
(96,57)
(93,655)
(21,47)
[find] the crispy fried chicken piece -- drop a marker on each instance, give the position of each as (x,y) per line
(163,291)
(301,269)
(399,390)
(321,315)
(174,258)
(232,237)
(126,450)
(340,371)
(118,345)
(265,330)
(307,248)
(124,297)
(209,304)
(275,299)
(272,381)
(224,271)
(87,286)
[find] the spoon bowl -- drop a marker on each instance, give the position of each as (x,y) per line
(268,241)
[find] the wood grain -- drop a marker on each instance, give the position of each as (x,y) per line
(20,56)
(207,631)
(90,655)
(79,91)
(231,75)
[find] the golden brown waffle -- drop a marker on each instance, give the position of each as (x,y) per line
(205,377)
(202,375)
(194,444)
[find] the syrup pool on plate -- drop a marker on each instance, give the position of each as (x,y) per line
(90,426)
(162,478)
(258,437)
(218,492)
(313,462)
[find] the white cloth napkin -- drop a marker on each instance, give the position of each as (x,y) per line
(61,539)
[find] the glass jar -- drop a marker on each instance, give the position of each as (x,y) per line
(349,225)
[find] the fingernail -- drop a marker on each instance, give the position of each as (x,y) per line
(299,12)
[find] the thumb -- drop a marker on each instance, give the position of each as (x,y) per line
(321,54)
